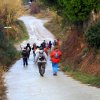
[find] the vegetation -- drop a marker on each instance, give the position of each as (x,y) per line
(55,27)
(9,12)
(93,35)
(19,32)
(2,88)
(74,11)
(65,65)
(25,1)
(78,12)
(85,78)
(7,52)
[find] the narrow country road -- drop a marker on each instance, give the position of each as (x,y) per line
(26,83)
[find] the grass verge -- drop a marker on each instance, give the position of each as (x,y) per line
(83,77)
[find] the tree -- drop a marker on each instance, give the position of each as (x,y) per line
(74,11)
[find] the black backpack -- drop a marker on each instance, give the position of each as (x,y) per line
(24,53)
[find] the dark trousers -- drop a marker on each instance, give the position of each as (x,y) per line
(25,62)
(34,54)
(28,54)
(41,66)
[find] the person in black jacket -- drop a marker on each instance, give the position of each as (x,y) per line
(31,0)
(43,44)
(50,45)
(28,48)
(25,56)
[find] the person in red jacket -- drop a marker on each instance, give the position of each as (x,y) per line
(58,42)
(55,59)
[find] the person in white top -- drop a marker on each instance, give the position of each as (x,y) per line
(37,50)
(41,59)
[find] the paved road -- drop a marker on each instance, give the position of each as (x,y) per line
(26,83)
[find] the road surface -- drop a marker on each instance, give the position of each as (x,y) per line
(26,83)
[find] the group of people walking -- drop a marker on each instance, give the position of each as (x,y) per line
(41,53)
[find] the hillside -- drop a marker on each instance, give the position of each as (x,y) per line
(77,55)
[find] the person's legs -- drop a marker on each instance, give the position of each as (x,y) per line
(24,61)
(34,55)
(43,68)
(55,68)
(39,67)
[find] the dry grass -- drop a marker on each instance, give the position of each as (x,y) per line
(55,26)
(45,14)
(10,10)
(2,87)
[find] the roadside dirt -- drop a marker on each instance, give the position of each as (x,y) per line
(74,53)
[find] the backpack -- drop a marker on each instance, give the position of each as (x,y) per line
(56,55)
(28,49)
(24,53)
(41,56)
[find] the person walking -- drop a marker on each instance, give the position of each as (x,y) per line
(55,59)
(50,45)
(25,56)
(28,48)
(41,59)
(46,51)
(34,49)
(43,44)
(55,43)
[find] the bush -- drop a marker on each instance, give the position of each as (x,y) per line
(93,35)
(7,51)
(9,12)
(74,11)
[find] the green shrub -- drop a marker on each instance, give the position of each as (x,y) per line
(93,35)
(74,11)
(66,68)
(25,1)
(8,53)
(86,78)
(85,51)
